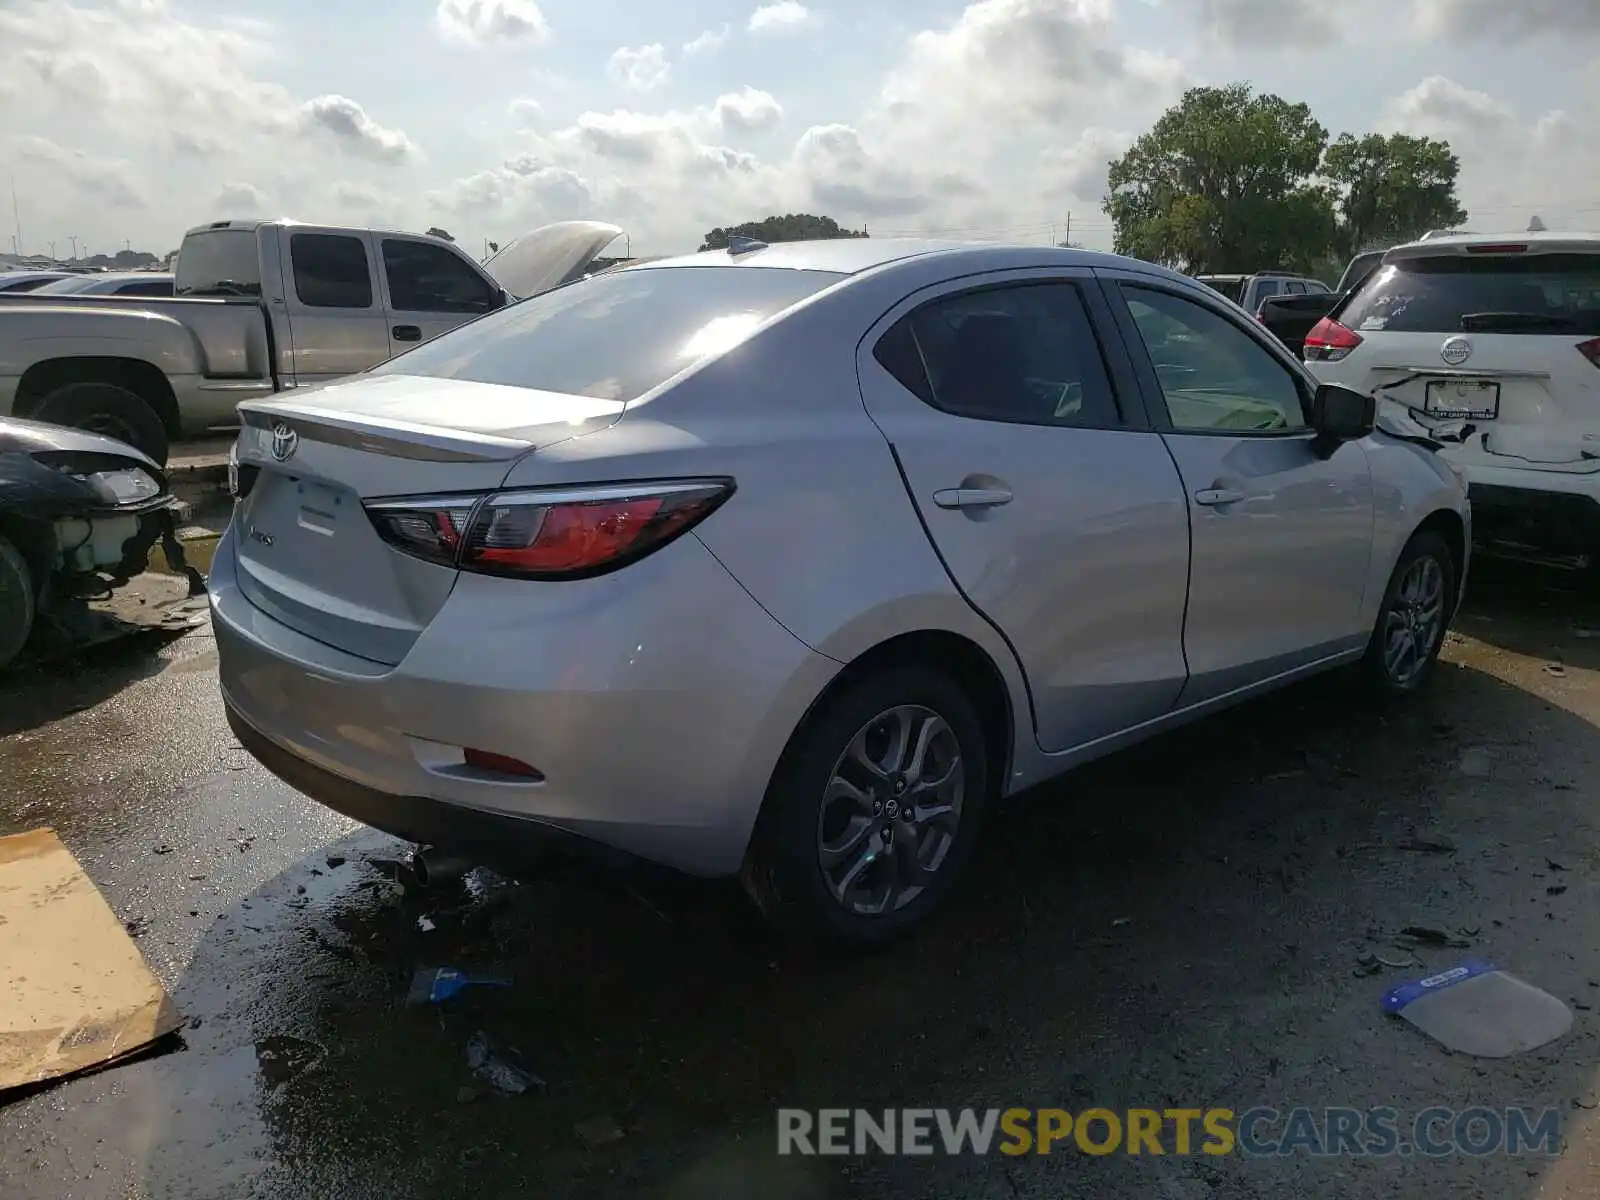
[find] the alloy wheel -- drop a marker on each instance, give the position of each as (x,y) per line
(1414,624)
(890,810)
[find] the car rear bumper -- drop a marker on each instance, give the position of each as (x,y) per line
(1536,515)
(655,702)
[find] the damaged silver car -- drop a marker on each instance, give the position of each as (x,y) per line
(79,514)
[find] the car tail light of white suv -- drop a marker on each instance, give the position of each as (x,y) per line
(1330,341)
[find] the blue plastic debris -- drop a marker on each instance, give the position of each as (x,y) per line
(1475,1008)
(434,985)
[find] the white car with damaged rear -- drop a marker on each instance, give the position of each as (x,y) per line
(787,561)
(1491,342)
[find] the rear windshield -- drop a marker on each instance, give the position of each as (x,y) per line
(613,336)
(1533,293)
(218,262)
(1233,289)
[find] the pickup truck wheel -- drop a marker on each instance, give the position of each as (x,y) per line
(16,602)
(108,409)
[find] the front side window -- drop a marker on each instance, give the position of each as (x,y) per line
(330,271)
(424,278)
(1214,377)
(1025,354)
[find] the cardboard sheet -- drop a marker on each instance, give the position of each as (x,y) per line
(75,992)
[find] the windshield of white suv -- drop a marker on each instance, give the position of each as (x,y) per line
(1531,293)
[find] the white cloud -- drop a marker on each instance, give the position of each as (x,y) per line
(238,200)
(640,68)
(704,43)
(782,16)
(101,181)
(749,110)
(526,113)
(492,22)
(348,122)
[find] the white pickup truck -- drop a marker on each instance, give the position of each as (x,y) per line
(260,307)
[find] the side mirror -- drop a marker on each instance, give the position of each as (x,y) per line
(1341,414)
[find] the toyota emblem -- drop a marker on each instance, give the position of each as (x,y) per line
(1456,351)
(284,441)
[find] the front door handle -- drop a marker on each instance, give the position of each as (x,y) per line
(1211,497)
(972,497)
(407,333)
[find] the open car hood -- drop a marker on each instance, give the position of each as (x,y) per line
(550,256)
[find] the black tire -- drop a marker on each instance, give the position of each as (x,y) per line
(18,603)
(111,410)
(783,871)
(1377,668)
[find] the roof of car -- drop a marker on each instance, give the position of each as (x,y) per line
(1539,243)
(850,256)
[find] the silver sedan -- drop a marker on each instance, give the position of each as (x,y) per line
(789,561)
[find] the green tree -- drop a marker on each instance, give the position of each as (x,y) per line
(1226,180)
(795,227)
(1391,189)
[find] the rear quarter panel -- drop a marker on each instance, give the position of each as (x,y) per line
(821,530)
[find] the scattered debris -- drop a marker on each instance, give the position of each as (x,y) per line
(137,927)
(244,844)
(1556,669)
(161,849)
(1555,889)
(1476,1009)
(1426,935)
(1119,922)
(282,1057)
(598,1131)
(1580,631)
(336,860)
(1428,845)
(1474,763)
(196,878)
(1589,1103)
(435,985)
(495,1067)
(1554,865)
(424,922)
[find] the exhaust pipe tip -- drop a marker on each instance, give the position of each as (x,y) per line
(432,867)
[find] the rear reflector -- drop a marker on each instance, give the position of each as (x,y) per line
(548,533)
(1590,350)
(1330,341)
(1498,248)
(499,764)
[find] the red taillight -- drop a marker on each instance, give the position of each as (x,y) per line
(1330,341)
(1590,350)
(499,764)
(549,533)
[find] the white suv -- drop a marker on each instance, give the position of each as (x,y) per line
(1492,342)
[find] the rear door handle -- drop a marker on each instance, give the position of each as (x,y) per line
(1211,497)
(972,497)
(407,333)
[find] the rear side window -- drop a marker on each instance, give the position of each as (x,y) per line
(1233,289)
(425,278)
(1267,287)
(1025,354)
(152,287)
(330,271)
(1459,293)
(219,262)
(1295,288)
(613,336)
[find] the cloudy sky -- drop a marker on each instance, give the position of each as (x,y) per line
(129,120)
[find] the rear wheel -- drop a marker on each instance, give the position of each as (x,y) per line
(17,602)
(107,409)
(874,812)
(1416,611)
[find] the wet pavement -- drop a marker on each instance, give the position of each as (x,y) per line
(1178,926)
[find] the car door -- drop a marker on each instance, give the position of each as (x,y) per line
(336,318)
(429,288)
(1057,511)
(1281,528)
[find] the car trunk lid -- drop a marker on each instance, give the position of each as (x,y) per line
(309,556)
